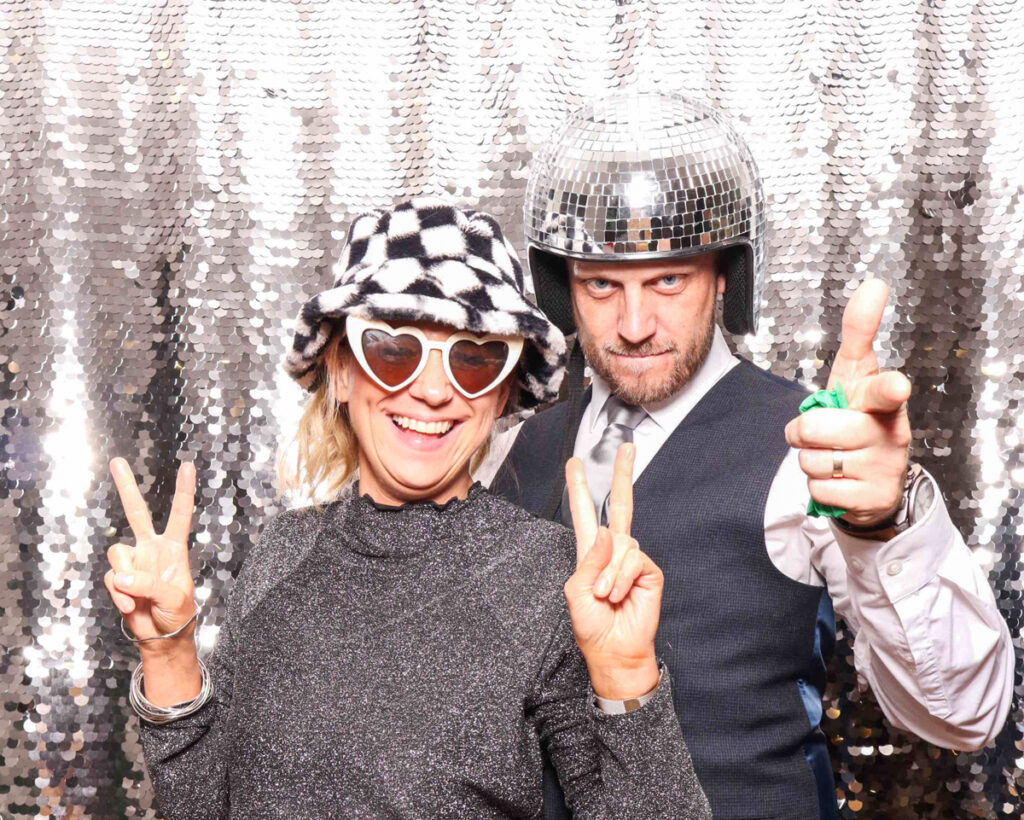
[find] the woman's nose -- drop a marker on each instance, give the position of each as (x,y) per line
(432,385)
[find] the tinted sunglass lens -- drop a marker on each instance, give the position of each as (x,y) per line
(393,359)
(476,366)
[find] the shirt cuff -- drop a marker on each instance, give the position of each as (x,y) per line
(891,570)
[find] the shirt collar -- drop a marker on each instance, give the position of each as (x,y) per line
(669,413)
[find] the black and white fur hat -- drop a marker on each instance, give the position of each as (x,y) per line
(427,260)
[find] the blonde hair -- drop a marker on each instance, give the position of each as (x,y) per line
(326,448)
(326,451)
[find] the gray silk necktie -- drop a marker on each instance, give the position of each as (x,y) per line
(598,463)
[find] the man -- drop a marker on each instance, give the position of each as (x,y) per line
(640,213)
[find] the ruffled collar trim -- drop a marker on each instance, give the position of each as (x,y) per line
(450,506)
(378,530)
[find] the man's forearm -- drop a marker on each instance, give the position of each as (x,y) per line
(930,639)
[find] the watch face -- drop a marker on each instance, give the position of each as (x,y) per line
(921,498)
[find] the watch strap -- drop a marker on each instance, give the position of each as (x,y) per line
(622,707)
(902,518)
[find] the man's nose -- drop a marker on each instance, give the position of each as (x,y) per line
(432,385)
(637,321)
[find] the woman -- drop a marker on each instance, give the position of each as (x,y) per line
(408,649)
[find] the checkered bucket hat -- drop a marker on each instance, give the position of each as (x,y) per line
(428,260)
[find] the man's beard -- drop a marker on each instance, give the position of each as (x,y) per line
(641,389)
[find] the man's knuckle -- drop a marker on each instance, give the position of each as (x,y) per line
(804,427)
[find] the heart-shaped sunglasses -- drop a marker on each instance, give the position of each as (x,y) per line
(394,357)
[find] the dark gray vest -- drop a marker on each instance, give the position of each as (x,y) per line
(743,642)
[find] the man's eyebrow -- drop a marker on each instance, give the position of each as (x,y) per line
(661,274)
(655,274)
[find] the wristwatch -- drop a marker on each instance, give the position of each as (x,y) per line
(918,494)
(621,707)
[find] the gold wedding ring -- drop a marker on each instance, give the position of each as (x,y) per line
(837,464)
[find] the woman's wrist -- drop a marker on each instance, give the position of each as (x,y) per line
(171,677)
(178,647)
(618,679)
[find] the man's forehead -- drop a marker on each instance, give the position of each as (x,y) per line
(629,268)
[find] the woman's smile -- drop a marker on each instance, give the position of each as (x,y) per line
(423,434)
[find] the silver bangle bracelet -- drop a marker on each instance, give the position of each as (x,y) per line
(165,714)
(195,617)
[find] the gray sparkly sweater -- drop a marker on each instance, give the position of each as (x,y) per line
(411,662)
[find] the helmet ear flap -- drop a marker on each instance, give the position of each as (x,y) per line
(737,265)
(551,288)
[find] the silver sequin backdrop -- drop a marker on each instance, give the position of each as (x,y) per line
(175,176)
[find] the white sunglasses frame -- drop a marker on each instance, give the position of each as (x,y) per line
(355,325)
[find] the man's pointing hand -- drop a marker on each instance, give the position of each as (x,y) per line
(871,435)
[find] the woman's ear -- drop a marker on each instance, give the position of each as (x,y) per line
(504,392)
(339,366)
(341,383)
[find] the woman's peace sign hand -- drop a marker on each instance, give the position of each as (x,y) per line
(151,583)
(614,596)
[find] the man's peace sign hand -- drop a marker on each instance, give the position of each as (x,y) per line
(871,436)
(151,582)
(614,596)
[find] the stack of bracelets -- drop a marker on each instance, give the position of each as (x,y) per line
(165,714)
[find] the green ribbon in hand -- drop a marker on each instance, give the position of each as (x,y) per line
(834,398)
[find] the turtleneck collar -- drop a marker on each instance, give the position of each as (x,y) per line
(377,530)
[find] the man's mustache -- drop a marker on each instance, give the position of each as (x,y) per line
(642,349)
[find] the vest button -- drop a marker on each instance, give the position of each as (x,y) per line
(895,568)
(856,564)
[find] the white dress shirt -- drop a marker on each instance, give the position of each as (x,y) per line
(929,639)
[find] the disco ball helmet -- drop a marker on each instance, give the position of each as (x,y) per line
(636,176)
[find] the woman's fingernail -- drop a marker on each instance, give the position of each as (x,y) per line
(124,579)
(602,585)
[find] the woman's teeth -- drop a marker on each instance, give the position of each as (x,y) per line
(432,428)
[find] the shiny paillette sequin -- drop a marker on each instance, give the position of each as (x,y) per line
(176,178)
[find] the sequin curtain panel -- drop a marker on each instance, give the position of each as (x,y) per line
(175,177)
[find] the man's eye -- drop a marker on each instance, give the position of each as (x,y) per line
(599,284)
(670,280)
